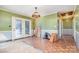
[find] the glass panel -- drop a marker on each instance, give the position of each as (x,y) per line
(18,28)
(27,29)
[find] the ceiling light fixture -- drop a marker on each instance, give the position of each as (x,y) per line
(35,14)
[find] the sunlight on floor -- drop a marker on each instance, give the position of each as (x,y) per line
(17,47)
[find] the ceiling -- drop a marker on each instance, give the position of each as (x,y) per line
(43,10)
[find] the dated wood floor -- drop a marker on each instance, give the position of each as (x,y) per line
(64,45)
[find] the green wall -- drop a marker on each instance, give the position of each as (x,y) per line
(33,24)
(68,23)
(48,22)
(5,20)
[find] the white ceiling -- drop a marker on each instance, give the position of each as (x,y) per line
(27,10)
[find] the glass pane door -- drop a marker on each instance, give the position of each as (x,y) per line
(18,26)
(27,27)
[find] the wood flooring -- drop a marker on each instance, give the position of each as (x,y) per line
(64,45)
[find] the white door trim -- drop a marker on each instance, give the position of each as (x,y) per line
(74,27)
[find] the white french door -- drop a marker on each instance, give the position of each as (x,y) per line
(27,28)
(20,28)
(16,27)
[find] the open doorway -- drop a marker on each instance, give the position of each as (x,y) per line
(66,24)
(67,27)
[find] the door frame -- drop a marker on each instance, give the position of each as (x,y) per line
(70,29)
(14,18)
(74,28)
(60,30)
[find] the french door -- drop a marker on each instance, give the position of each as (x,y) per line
(27,27)
(20,28)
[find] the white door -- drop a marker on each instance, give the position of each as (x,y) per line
(16,28)
(20,28)
(27,27)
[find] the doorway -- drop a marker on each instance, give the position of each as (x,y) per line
(66,24)
(67,27)
(20,28)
